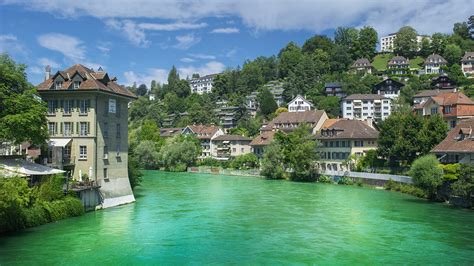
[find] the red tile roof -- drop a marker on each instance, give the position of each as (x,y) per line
(460,139)
(203,131)
(263,139)
(92,81)
(348,129)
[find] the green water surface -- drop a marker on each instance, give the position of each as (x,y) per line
(182,218)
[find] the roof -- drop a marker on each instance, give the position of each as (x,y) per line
(398,60)
(429,93)
(19,167)
(365,97)
(361,62)
(453,142)
(90,81)
(333,85)
(468,56)
(232,137)
(310,116)
(389,84)
(435,59)
(303,98)
(170,131)
(263,139)
(329,122)
(204,131)
(452,98)
(348,129)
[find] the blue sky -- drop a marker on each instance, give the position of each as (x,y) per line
(138,41)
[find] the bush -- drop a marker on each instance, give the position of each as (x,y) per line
(134,174)
(451,171)
(209,161)
(325,179)
(345,181)
(179,152)
(245,161)
(405,188)
(427,174)
(272,163)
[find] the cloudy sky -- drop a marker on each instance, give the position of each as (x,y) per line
(140,40)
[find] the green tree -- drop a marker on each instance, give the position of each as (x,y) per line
(245,161)
(438,43)
(267,102)
(147,155)
(251,78)
(340,59)
(452,54)
(462,29)
(464,186)
(405,43)
(433,132)
(346,36)
(22,113)
(272,165)
(366,44)
(14,197)
(318,42)
(427,174)
(149,131)
(425,47)
(179,153)
(289,57)
(470,22)
(134,173)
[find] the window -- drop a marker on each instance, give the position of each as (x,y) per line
(118,131)
(77,84)
(52,105)
(84,128)
(68,104)
(83,106)
(358,143)
(106,130)
(83,152)
(234,149)
(112,104)
(58,85)
(452,123)
(106,152)
(447,109)
(348,108)
(67,153)
(52,128)
(242,150)
(106,174)
(117,149)
(68,128)
(434,110)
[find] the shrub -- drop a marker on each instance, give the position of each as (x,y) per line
(209,161)
(134,174)
(272,163)
(427,174)
(325,179)
(179,152)
(51,188)
(451,171)
(405,188)
(345,181)
(245,161)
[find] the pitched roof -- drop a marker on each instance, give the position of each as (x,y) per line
(170,131)
(361,62)
(365,97)
(203,131)
(310,116)
(452,98)
(301,97)
(348,129)
(329,122)
(388,83)
(263,139)
(333,85)
(468,56)
(429,93)
(93,81)
(232,137)
(454,143)
(398,60)
(435,59)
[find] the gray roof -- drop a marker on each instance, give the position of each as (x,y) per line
(310,116)
(18,167)
(361,62)
(365,97)
(232,137)
(348,129)
(468,56)
(333,85)
(435,59)
(398,60)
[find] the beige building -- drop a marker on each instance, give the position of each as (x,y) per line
(260,142)
(289,121)
(341,138)
(205,134)
(230,146)
(88,126)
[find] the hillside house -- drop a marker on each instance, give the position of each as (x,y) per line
(458,146)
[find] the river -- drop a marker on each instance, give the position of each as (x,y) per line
(182,218)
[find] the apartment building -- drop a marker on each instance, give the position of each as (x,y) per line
(467,64)
(202,85)
(387,42)
(205,134)
(226,147)
(366,106)
(88,126)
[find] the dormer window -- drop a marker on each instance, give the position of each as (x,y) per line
(76,85)
(58,85)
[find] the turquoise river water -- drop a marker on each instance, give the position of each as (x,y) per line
(182,218)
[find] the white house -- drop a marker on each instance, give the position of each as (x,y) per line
(433,64)
(366,106)
(386,42)
(202,85)
(299,104)
(467,64)
(205,134)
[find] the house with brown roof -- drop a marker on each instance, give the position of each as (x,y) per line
(226,147)
(443,82)
(205,134)
(458,146)
(260,142)
(289,121)
(366,107)
(398,65)
(388,88)
(362,65)
(341,138)
(88,127)
(434,64)
(467,64)
(452,106)
(167,132)
(425,95)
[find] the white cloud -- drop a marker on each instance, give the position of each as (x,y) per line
(186,41)
(171,26)
(211,67)
(48,62)
(427,16)
(130,30)
(203,56)
(35,70)
(69,46)
(187,60)
(225,30)
(231,53)
(10,44)
(104,47)
(158,74)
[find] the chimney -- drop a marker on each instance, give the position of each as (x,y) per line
(370,122)
(47,70)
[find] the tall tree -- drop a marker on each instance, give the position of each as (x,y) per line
(366,44)
(142,90)
(470,22)
(425,47)
(173,77)
(346,36)
(320,42)
(405,43)
(267,102)
(452,54)
(22,113)
(288,58)
(462,29)
(251,77)
(438,43)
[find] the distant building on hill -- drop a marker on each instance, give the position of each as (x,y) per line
(398,65)
(387,42)
(366,107)
(166,132)
(289,121)
(205,134)
(443,82)
(202,85)
(362,65)
(299,104)
(334,89)
(434,64)
(467,64)
(388,88)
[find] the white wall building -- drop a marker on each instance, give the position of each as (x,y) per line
(386,42)
(467,64)
(366,106)
(299,104)
(202,85)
